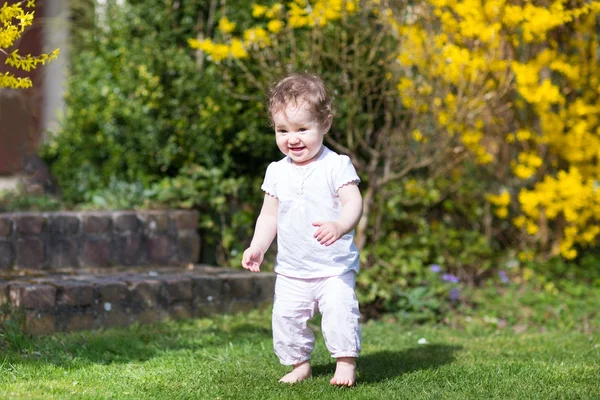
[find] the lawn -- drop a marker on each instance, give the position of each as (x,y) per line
(230,357)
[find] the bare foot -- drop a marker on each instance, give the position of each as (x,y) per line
(345,372)
(300,372)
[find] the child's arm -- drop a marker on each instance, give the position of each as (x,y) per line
(330,231)
(264,233)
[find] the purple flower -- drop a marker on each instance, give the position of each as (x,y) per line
(435,268)
(450,278)
(503,276)
(454,293)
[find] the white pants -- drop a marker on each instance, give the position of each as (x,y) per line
(297,300)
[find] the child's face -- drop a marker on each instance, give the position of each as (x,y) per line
(298,133)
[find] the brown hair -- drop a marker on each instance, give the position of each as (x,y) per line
(302,88)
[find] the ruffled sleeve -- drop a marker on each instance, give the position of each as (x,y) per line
(344,173)
(269,185)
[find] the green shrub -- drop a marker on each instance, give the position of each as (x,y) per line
(141,114)
(19,200)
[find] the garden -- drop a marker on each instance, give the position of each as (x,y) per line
(474,127)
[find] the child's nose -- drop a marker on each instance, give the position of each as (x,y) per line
(293,138)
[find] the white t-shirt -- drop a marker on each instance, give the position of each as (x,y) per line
(308,194)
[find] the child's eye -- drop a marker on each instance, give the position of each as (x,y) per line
(302,130)
(282,132)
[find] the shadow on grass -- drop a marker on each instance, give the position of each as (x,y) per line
(137,343)
(384,365)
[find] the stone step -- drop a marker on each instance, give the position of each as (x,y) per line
(69,300)
(49,240)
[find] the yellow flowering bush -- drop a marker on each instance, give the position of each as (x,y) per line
(537,64)
(14,19)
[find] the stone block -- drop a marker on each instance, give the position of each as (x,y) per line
(158,249)
(156,222)
(185,220)
(37,323)
(112,291)
(4,292)
(129,249)
(206,310)
(7,255)
(64,225)
(63,253)
(188,247)
(145,292)
(97,223)
(126,223)
(240,306)
(239,286)
(6,226)
(117,318)
(30,224)
(207,289)
(31,253)
(181,311)
(32,296)
(78,321)
(152,316)
(264,286)
(96,253)
(264,304)
(75,294)
(177,288)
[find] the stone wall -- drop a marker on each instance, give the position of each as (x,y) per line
(98,239)
(69,271)
(82,301)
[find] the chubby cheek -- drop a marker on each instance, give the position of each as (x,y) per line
(282,144)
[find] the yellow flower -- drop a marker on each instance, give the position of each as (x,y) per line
(226,26)
(443,118)
(502,200)
(568,252)
(275,26)
(205,45)
(405,84)
(417,135)
(7,80)
(520,221)
(522,171)
(502,212)
(484,157)
(523,134)
(256,36)
(532,228)
(219,52)
(194,43)
(258,10)
(274,11)
(351,6)
(408,102)
(237,49)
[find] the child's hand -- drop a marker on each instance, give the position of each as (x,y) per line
(328,233)
(252,258)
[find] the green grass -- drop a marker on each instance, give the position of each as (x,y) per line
(230,357)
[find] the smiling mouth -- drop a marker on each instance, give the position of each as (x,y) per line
(297,148)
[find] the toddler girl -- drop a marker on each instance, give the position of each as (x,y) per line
(312,203)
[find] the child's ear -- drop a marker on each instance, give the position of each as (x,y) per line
(327,123)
